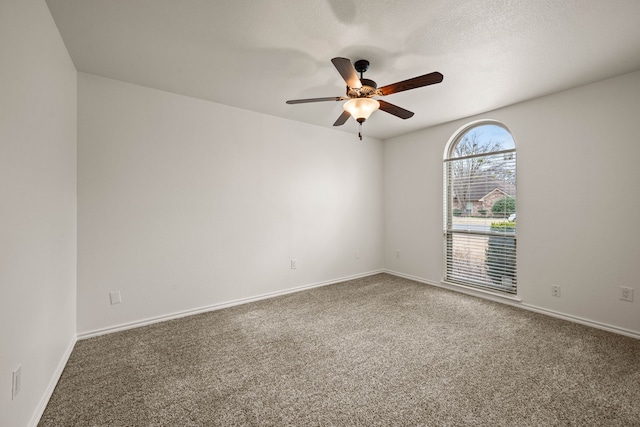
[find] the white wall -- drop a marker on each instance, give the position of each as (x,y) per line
(37,207)
(184,203)
(578,200)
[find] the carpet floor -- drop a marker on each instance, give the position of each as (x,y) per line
(376,351)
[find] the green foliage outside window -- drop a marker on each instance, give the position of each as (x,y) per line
(505,206)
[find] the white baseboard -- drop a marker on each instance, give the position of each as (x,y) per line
(213,307)
(517,302)
(582,321)
(44,400)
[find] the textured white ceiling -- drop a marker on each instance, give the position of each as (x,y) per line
(256,54)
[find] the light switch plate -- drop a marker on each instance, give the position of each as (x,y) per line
(16,382)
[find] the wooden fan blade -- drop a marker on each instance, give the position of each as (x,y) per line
(302,101)
(395,110)
(342,119)
(416,82)
(348,73)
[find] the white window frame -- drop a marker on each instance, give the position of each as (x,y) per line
(448,209)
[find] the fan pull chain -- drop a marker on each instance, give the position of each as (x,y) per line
(360,132)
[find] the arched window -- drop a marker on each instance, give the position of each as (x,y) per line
(480,207)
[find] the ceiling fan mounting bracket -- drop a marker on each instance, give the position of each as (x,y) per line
(361,66)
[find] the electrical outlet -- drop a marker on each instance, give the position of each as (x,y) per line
(397,253)
(357,254)
(294,264)
(115,297)
(16,382)
(555,291)
(626,294)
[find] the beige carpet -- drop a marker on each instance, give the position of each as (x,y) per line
(377,351)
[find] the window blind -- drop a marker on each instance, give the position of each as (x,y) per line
(480,222)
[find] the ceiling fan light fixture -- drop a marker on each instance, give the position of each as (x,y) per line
(361,108)
(360,104)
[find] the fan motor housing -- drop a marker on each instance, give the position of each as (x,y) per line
(367,90)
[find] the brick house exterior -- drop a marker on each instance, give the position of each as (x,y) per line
(488,200)
(484,198)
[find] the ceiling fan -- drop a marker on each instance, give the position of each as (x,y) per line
(360,92)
